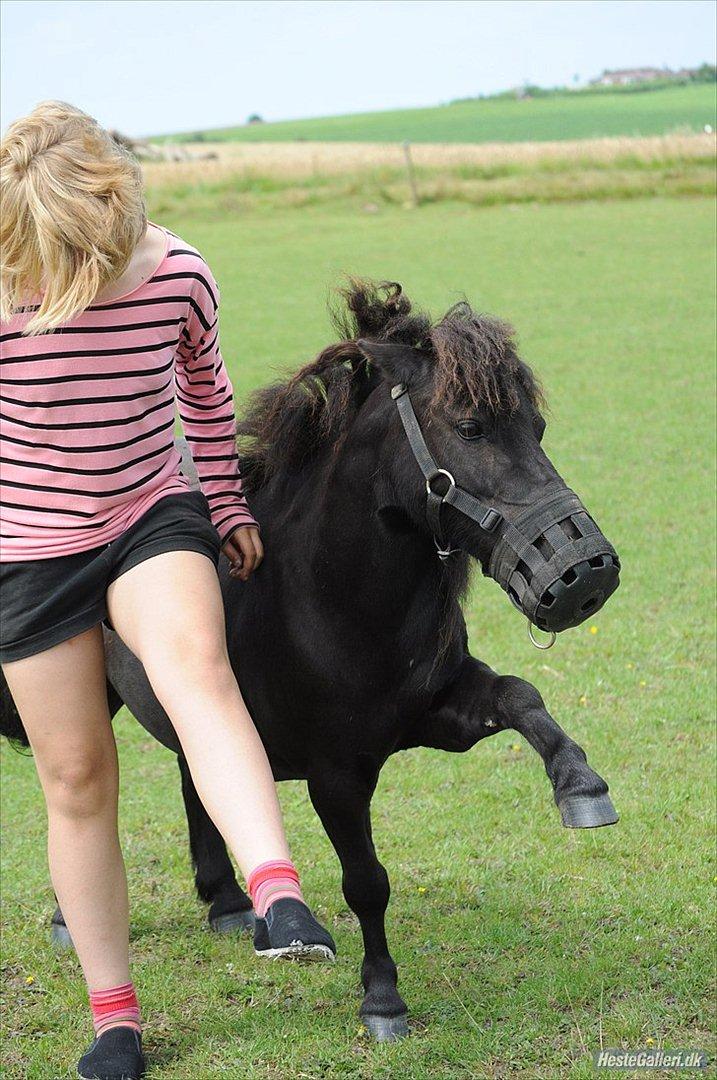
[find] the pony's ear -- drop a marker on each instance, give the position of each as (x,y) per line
(397,363)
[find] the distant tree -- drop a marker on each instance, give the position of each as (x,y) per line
(704,73)
(255,119)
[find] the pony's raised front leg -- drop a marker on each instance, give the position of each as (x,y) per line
(479,702)
(213,871)
(342,800)
(581,794)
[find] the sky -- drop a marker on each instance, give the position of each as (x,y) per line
(156,66)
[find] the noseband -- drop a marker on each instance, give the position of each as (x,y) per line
(486,517)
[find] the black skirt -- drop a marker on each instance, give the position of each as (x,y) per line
(46,601)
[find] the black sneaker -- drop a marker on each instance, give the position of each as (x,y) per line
(289,931)
(116,1055)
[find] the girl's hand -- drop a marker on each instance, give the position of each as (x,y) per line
(244,550)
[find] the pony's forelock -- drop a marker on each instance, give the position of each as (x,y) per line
(472,362)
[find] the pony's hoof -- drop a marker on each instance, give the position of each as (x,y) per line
(386,1028)
(232,922)
(587,811)
(60,936)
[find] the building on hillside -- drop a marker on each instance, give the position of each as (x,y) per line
(628,76)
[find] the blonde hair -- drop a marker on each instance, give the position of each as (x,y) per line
(71,213)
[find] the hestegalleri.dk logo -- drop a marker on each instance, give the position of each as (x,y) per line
(655,1058)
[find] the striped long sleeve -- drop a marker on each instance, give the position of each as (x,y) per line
(206,408)
(87,414)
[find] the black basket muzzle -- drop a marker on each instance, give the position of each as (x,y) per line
(554,563)
(552,560)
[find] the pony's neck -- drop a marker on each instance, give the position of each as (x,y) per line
(372,554)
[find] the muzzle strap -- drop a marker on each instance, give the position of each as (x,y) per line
(486,517)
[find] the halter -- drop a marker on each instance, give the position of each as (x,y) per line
(552,553)
(486,517)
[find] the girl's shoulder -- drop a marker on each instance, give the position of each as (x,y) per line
(185,262)
(178,248)
(188,273)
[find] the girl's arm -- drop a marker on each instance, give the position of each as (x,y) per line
(206,408)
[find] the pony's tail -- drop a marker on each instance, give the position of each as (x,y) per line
(10,723)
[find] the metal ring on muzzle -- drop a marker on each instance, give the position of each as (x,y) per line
(554,563)
(542,645)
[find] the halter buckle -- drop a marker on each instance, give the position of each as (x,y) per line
(491,519)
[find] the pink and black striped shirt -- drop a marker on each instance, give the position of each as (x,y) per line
(87,415)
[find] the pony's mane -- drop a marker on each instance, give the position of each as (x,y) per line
(473,362)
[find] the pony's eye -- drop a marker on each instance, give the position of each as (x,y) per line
(469,429)
(539,426)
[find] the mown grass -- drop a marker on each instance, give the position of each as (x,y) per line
(577,116)
(521,946)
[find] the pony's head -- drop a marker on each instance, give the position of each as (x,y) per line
(458,418)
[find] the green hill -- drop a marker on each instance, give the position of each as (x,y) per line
(500,119)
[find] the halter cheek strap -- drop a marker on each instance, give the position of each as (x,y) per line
(486,517)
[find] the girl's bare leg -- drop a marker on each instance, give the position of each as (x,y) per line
(62,699)
(168,610)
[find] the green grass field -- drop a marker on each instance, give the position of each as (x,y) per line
(578,116)
(522,947)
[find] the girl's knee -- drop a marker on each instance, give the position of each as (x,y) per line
(81,786)
(183,666)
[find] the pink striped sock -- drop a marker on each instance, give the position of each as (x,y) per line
(116,1007)
(272,881)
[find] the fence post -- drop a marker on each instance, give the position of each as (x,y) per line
(411,174)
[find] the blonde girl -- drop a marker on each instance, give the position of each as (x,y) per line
(107,320)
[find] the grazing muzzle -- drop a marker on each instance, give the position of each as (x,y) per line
(554,563)
(552,560)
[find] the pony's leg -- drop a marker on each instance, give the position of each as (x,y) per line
(214,874)
(479,702)
(342,799)
(59,934)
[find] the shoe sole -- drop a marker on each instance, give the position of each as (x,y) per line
(309,953)
(125,1076)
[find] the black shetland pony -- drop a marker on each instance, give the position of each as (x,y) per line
(349,643)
